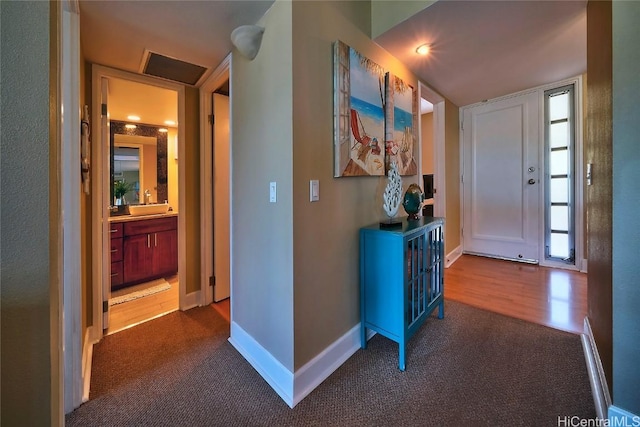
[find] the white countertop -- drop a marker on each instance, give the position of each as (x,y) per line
(127,218)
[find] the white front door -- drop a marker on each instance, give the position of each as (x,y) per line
(501,178)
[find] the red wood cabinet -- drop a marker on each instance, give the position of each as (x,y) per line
(115,230)
(149,250)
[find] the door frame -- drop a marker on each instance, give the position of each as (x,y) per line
(581,262)
(99,218)
(213,82)
(439,197)
(69,301)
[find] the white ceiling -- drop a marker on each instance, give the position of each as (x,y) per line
(481,49)
(485,49)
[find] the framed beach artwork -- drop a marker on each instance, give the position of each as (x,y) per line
(359,92)
(401,125)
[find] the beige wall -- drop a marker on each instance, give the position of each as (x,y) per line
(192,185)
(428,153)
(452,176)
(262,152)
(326,252)
(302,292)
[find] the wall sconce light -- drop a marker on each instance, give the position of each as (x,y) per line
(247,39)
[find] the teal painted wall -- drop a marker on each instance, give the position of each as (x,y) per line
(626,202)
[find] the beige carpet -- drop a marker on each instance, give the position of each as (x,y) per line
(139,291)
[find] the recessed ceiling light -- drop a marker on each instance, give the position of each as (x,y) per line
(163,130)
(130,126)
(423,49)
(169,123)
(134,118)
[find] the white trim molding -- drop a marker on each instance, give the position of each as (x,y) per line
(599,387)
(99,162)
(294,387)
(70,213)
(453,256)
(191,300)
(269,368)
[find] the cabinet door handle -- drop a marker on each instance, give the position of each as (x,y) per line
(148,240)
(114,251)
(114,274)
(155,239)
(113,230)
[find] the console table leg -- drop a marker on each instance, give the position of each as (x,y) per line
(363,337)
(441,310)
(401,360)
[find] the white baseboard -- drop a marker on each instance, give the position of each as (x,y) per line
(273,372)
(583,267)
(318,369)
(453,256)
(87,357)
(599,387)
(190,301)
(292,388)
(620,417)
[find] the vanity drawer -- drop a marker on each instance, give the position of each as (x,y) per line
(115,229)
(116,274)
(116,249)
(132,228)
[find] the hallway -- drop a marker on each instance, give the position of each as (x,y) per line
(546,296)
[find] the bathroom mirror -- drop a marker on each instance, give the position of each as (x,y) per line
(127,161)
(147,143)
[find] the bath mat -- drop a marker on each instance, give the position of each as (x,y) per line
(139,291)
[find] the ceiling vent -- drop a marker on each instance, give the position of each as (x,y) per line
(154,64)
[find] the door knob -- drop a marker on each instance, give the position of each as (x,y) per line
(531,181)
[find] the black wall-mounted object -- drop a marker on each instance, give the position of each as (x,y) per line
(427,180)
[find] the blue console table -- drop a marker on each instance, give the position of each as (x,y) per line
(401,279)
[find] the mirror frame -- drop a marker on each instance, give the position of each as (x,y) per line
(118,127)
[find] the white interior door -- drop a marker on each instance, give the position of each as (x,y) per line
(501,178)
(221,203)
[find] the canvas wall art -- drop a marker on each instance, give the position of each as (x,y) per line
(401,121)
(359,114)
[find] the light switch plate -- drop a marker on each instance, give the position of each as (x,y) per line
(272,192)
(314,190)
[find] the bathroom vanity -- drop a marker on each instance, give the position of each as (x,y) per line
(143,248)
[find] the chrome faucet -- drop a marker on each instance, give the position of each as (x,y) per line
(147,197)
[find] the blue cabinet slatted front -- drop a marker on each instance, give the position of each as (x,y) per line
(401,279)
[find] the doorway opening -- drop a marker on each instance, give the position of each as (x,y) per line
(432,164)
(216,189)
(138,265)
(144,171)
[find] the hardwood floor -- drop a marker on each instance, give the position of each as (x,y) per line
(553,297)
(131,313)
(224,308)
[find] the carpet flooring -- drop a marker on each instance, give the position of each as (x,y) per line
(473,368)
